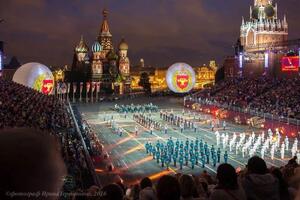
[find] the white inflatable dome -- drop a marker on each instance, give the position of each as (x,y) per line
(36,76)
(180,78)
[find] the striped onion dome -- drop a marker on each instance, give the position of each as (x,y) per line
(96,47)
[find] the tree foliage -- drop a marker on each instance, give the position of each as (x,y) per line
(145,82)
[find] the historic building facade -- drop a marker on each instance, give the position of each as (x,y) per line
(101,62)
(105,64)
(263,28)
(205,76)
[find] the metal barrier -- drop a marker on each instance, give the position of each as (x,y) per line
(252,112)
(290,126)
(87,155)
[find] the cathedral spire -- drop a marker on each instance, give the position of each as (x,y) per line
(105,37)
(284,19)
(262,2)
(104,27)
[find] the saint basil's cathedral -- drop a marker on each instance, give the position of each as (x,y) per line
(104,64)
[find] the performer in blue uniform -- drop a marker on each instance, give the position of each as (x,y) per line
(203,161)
(224,125)
(219,155)
(225,157)
(181,162)
(193,161)
(214,158)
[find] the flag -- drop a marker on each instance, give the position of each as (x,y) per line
(88,86)
(93,86)
(81,86)
(63,88)
(74,87)
(58,88)
(69,85)
(98,86)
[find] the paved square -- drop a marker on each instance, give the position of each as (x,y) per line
(128,154)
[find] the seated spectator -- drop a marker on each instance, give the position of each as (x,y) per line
(30,162)
(188,187)
(283,186)
(111,192)
(258,182)
(133,192)
(202,188)
(207,177)
(147,192)
(227,187)
(168,188)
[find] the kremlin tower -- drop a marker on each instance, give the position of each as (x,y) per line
(264,26)
(263,29)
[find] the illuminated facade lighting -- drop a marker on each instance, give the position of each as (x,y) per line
(299,56)
(266,59)
(241,56)
(1,60)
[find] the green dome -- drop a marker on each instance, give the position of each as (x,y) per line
(112,56)
(270,11)
(255,12)
(123,45)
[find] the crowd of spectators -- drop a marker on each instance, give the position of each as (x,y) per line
(280,97)
(21,106)
(255,182)
(282,100)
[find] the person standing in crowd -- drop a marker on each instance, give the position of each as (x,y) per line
(227,187)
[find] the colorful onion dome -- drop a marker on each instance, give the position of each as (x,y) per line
(82,46)
(96,47)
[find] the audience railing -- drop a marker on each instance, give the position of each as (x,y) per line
(87,155)
(252,112)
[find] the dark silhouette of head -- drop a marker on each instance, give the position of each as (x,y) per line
(145,182)
(30,161)
(187,186)
(168,188)
(256,165)
(227,177)
(111,192)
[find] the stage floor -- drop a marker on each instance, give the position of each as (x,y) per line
(127,153)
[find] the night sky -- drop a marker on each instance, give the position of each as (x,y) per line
(160,31)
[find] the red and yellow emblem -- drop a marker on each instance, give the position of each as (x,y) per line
(47,86)
(43,83)
(182,80)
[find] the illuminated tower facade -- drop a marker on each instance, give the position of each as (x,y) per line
(123,58)
(264,26)
(97,61)
(105,37)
